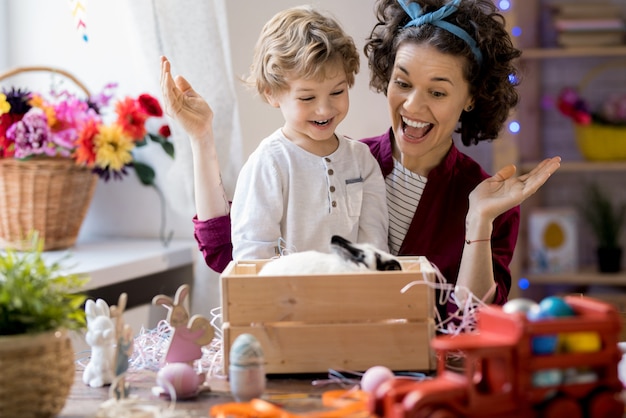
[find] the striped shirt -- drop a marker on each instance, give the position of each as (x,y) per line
(404,190)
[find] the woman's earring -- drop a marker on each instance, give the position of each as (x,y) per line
(469,108)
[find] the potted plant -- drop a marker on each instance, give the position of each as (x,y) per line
(39,304)
(606,220)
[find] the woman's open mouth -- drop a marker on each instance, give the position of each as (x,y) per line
(416,130)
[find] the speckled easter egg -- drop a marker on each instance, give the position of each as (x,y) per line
(246,351)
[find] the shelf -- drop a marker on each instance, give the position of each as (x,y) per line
(113,261)
(584,277)
(581,166)
(601,51)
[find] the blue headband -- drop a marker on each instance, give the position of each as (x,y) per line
(436,18)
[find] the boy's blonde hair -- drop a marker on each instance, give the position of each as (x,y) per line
(300,40)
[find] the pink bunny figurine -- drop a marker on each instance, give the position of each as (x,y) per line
(189,335)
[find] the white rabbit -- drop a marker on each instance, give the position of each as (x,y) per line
(346,257)
(101,337)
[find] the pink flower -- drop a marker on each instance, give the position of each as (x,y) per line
(32,135)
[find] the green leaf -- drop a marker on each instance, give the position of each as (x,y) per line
(145,173)
(157,138)
(168,147)
(36,295)
(605,218)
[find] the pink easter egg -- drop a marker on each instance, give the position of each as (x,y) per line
(374,377)
(182,378)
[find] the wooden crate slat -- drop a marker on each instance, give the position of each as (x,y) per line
(372,296)
(300,348)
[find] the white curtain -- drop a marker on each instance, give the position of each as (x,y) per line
(194,36)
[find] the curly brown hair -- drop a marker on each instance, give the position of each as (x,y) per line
(492,83)
(300,40)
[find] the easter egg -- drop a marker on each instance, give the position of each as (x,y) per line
(581,342)
(555,307)
(246,372)
(374,377)
(547,378)
(181,378)
(542,344)
(518,305)
(246,351)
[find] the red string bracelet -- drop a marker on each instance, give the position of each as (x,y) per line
(467,241)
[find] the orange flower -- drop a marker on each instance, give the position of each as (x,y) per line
(131,118)
(37,101)
(85,152)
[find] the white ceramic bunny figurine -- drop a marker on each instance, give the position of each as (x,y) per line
(101,337)
(189,334)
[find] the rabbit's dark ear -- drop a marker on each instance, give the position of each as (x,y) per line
(181,294)
(346,250)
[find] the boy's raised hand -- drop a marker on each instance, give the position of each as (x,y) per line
(184,104)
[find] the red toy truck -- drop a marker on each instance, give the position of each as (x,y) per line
(499,378)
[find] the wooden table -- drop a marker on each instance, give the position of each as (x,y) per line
(85,401)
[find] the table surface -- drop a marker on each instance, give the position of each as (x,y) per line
(85,401)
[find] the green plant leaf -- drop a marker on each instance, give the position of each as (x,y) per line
(166,144)
(604,217)
(36,295)
(145,173)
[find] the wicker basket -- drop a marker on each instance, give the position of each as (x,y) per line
(37,374)
(598,142)
(47,195)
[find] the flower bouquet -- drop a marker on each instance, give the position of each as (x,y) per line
(600,133)
(54,147)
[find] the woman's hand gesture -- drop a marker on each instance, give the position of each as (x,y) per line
(503,191)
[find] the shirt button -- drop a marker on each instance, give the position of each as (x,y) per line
(332,189)
(327,159)
(330,172)
(334,204)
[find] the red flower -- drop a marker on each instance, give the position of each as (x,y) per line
(573,106)
(150,105)
(7,148)
(131,118)
(85,150)
(165,131)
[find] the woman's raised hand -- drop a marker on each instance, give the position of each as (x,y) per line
(503,191)
(184,104)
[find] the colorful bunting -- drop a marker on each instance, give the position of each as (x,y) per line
(78,12)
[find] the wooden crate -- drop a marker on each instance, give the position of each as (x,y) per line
(310,324)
